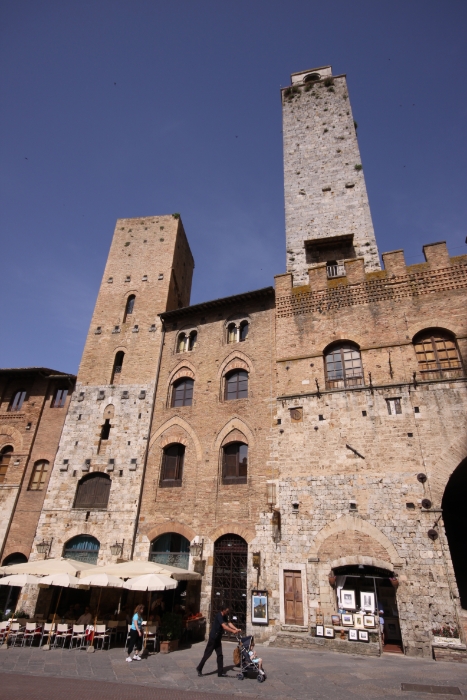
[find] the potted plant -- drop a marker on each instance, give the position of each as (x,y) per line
(171,631)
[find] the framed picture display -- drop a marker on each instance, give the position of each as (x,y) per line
(336,619)
(367,602)
(353,636)
(259,608)
(348,599)
(329,632)
(369,620)
(319,630)
(347,619)
(363,636)
(358,621)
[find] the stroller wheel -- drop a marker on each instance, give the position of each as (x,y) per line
(240,676)
(260,678)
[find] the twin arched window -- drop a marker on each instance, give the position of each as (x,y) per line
(237,334)
(235,463)
(130,305)
(437,354)
(6,454)
(343,365)
(186,342)
(39,476)
(172,465)
(93,491)
(236,385)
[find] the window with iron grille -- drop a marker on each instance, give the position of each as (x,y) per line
(39,476)
(172,465)
(5,455)
(236,385)
(83,548)
(235,463)
(182,392)
(130,305)
(437,355)
(394,406)
(59,398)
(171,549)
(17,401)
(93,491)
(343,366)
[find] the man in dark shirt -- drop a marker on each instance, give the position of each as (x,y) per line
(221,623)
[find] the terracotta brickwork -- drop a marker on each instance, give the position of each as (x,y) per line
(33,432)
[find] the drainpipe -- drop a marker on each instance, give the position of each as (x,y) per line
(146,453)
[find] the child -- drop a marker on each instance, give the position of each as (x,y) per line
(255,659)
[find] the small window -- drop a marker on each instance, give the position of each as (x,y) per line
(236,385)
(130,305)
(343,366)
(394,406)
(105,431)
(5,455)
(117,368)
(181,342)
(17,401)
(437,355)
(244,327)
(172,465)
(182,392)
(192,339)
(232,333)
(59,398)
(235,463)
(93,491)
(39,476)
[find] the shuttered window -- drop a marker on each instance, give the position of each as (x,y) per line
(93,492)
(235,463)
(236,385)
(172,465)
(39,476)
(17,401)
(437,355)
(182,393)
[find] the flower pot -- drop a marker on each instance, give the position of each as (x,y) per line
(332,580)
(394,582)
(168,646)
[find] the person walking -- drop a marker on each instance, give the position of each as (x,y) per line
(136,634)
(221,623)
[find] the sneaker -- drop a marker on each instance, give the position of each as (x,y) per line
(262,672)
(137,657)
(129,659)
(200,673)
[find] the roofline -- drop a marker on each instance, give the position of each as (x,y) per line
(204,306)
(55,373)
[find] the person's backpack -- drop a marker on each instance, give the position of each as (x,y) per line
(236,656)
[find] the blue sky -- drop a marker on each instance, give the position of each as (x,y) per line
(115,108)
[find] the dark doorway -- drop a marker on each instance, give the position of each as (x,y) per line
(229,580)
(455,523)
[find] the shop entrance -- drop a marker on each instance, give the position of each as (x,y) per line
(229,579)
(455,523)
(377,583)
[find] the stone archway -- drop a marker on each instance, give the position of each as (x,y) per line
(455,524)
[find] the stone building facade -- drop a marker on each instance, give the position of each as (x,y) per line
(308,441)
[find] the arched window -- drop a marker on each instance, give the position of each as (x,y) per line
(15,558)
(93,491)
(187,343)
(192,338)
(5,456)
(236,385)
(172,465)
(235,463)
(231,333)
(82,548)
(39,476)
(343,366)
(181,342)
(117,368)
(244,328)
(130,305)
(437,354)
(17,401)
(171,549)
(182,392)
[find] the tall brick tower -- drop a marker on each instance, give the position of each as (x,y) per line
(327,212)
(96,482)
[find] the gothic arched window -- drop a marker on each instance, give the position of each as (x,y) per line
(6,454)
(130,305)
(39,476)
(343,366)
(235,463)
(236,385)
(182,392)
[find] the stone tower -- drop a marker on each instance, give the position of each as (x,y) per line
(148,271)
(327,212)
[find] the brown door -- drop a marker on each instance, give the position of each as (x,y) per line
(293,598)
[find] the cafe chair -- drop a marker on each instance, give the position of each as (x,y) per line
(78,636)
(62,635)
(48,629)
(16,633)
(102,635)
(33,631)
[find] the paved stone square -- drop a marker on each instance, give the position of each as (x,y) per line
(291,674)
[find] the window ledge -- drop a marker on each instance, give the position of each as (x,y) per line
(89,508)
(169,484)
(233,482)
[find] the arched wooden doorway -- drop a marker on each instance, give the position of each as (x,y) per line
(229,579)
(455,523)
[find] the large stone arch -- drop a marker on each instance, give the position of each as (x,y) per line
(171,526)
(349,523)
(234,424)
(181,423)
(443,464)
(11,436)
(247,533)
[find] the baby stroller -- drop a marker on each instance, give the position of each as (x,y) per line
(246,663)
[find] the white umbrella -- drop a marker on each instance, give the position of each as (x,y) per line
(101,579)
(64,580)
(150,582)
(43,567)
(19,580)
(131,569)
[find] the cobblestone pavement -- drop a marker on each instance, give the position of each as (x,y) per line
(292,675)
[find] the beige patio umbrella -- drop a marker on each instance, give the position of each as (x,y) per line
(150,582)
(100,580)
(16,580)
(131,569)
(64,580)
(43,567)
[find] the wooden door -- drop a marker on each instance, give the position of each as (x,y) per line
(293,601)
